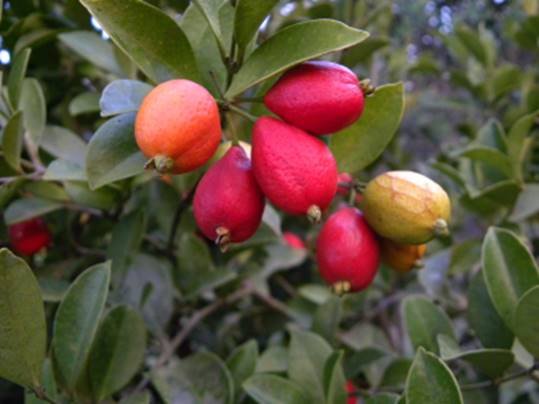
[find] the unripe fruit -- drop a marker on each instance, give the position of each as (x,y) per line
(347,251)
(30,236)
(293,240)
(406,207)
(295,170)
(228,203)
(178,126)
(402,257)
(319,97)
(344,184)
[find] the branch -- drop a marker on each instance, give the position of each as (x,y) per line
(40,393)
(497,382)
(182,207)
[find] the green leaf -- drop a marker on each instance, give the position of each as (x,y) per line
(271,389)
(34,109)
(491,362)
(64,144)
(211,15)
(23,334)
(395,373)
(431,381)
(383,398)
(16,76)
(113,153)
(527,204)
(137,398)
(151,38)
(308,354)
(483,317)
(48,383)
(472,43)
(302,41)
(242,362)
(509,270)
(489,156)
(93,48)
(81,194)
(526,325)
(249,16)
(362,52)
(122,96)
(12,140)
(505,79)
(27,208)
(274,359)
(327,317)
(117,352)
(518,140)
(84,103)
(364,141)
(199,378)
(64,170)
(424,321)
(334,380)
(76,323)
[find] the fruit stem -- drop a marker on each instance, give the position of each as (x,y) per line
(366,87)
(352,196)
(234,134)
(242,112)
(341,287)
(223,238)
(440,228)
(314,214)
(160,163)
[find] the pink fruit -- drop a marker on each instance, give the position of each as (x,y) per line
(344,184)
(293,240)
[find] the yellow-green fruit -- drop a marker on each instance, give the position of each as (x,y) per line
(223,148)
(406,207)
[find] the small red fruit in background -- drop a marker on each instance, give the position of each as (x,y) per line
(347,251)
(228,203)
(319,97)
(350,390)
(30,236)
(344,184)
(295,170)
(293,240)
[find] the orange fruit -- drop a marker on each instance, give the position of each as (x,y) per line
(178,126)
(402,257)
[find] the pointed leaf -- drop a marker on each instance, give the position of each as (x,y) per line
(64,144)
(526,324)
(491,362)
(242,362)
(12,140)
(84,103)
(63,170)
(364,141)
(302,41)
(34,108)
(23,333)
(48,383)
(16,76)
(27,208)
(123,96)
(271,389)
(249,16)
(334,380)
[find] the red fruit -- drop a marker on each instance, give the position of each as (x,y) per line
(347,251)
(228,203)
(319,97)
(293,240)
(29,237)
(350,389)
(344,184)
(296,171)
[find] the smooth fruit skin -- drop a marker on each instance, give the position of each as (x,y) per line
(319,97)
(295,170)
(293,240)
(402,257)
(406,207)
(344,184)
(30,236)
(350,389)
(228,197)
(179,119)
(347,250)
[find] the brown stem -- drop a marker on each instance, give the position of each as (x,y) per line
(496,382)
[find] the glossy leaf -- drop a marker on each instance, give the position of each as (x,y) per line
(151,38)
(27,208)
(424,322)
(527,204)
(249,16)
(16,76)
(526,324)
(362,52)
(491,362)
(303,41)
(117,352)
(76,323)
(64,144)
(113,153)
(509,270)
(85,103)
(211,14)
(47,382)
(334,380)
(64,170)
(364,141)
(266,388)
(431,381)
(122,96)
(12,140)
(483,317)
(34,109)
(490,156)
(242,362)
(23,334)
(93,48)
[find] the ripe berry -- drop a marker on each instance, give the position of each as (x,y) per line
(293,240)
(29,237)
(319,97)
(350,390)
(402,257)
(347,251)
(344,184)
(406,207)
(228,203)
(178,126)
(296,171)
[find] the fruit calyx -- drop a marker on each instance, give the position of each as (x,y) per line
(341,287)
(314,214)
(223,238)
(160,163)
(366,87)
(441,229)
